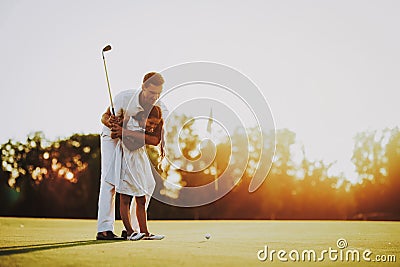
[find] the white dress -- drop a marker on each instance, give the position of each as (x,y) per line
(136,177)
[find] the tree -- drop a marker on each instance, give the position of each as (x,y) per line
(376,157)
(56,179)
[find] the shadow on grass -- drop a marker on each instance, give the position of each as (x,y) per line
(4,251)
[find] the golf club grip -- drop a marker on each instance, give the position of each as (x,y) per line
(113,111)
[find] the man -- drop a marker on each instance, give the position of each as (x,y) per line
(126,103)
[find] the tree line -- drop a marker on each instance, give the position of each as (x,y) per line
(61,178)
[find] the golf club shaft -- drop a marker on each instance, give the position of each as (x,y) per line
(108,84)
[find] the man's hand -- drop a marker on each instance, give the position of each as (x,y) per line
(109,120)
(116,131)
(115,120)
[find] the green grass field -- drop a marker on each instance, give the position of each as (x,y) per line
(62,242)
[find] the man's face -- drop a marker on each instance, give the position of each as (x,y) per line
(151,93)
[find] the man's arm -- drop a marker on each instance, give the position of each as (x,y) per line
(138,137)
(130,143)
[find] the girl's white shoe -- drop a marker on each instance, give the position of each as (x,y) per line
(136,236)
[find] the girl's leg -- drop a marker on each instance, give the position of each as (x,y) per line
(141,214)
(124,207)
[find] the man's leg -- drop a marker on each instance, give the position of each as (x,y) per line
(106,204)
(106,209)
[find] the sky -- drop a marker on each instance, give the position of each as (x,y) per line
(328,69)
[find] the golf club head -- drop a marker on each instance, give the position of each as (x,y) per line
(107,48)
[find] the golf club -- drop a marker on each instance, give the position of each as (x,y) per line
(105,49)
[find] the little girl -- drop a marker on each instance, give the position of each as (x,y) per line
(136,176)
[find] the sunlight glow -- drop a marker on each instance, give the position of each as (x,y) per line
(69,175)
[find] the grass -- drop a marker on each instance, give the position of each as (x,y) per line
(64,242)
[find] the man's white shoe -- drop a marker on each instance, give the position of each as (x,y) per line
(136,236)
(153,237)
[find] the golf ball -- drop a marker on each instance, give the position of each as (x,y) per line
(207,236)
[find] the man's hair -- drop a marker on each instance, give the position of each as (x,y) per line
(153,78)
